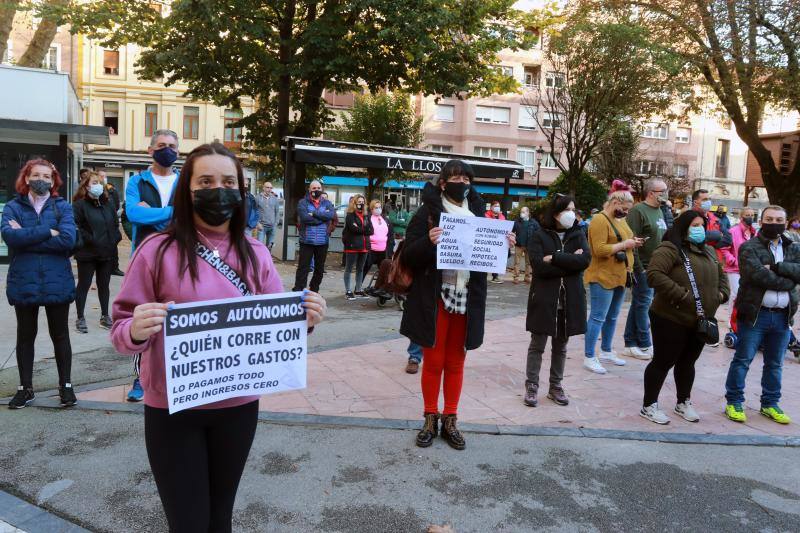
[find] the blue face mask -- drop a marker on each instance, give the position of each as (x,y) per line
(95,190)
(697,234)
(706,206)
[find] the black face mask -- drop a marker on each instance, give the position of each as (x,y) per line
(216,206)
(619,213)
(456,191)
(772,231)
(40,187)
(316,194)
(748,221)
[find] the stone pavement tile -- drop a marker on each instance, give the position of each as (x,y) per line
(110,394)
(8,528)
(283,400)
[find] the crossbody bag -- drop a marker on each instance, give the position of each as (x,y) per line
(219,264)
(630,280)
(707,328)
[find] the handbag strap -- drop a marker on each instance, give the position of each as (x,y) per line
(219,264)
(695,291)
(619,237)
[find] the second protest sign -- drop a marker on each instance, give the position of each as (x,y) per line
(473,243)
(220,349)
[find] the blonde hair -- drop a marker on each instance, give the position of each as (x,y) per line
(351,205)
(623,197)
(373,203)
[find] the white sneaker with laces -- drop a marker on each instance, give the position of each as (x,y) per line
(637,353)
(592,364)
(654,414)
(687,412)
(611,357)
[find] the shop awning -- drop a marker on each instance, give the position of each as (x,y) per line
(77,133)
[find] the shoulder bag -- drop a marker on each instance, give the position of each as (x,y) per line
(400,275)
(707,328)
(219,264)
(630,279)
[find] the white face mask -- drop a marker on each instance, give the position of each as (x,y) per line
(496,209)
(377,210)
(566,219)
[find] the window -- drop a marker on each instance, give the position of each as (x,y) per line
(548,161)
(233,135)
(527,114)
(648,168)
(554,80)
(494,115)
(111,116)
(445,113)
(722,156)
(680,171)
(191,122)
(8,56)
(111,62)
(785,161)
(526,156)
(488,151)
(150,119)
(443,148)
(52,59)
(531,77)
(682,135)
(505,70)
(551,120)
(654,130)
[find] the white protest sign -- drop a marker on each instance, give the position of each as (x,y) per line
(247,346)
(473,243)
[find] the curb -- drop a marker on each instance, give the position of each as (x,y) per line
(32,519)
(486,429)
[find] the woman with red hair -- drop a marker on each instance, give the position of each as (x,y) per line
(39,230)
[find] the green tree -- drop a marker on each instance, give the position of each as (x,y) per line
(286,53)
(51,15)
(590,193)
(385,119)
(747,52)
(604,70)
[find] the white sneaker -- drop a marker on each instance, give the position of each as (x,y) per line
(686,410)
(654,414)
(611,357)
(638,353)
(593,365)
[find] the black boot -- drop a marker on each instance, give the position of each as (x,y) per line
(451,434)
(429,431)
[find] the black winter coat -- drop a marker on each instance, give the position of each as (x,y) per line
(355,235)
(560,278)
(419,254)
(756,280)
(97,221)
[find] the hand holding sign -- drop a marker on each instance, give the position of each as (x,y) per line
(315,307)
(147,320)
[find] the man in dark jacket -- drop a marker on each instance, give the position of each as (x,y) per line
(769,265)
(524,228)
(314,213)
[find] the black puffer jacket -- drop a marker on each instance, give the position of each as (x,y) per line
(563,274)
(97,221)
(419,253)
(355,235)
(756,280)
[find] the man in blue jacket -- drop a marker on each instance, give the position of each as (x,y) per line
(148,206)
(314,213)
(148,195)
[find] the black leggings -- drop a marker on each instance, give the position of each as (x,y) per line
(674,345)
(86,270)
(28,327)
(197,457)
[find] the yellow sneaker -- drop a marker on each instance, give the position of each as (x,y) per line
(735,411)
(775,413)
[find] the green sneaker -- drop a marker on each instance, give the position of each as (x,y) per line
(735,411)
(775,413)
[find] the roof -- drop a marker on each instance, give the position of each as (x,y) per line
(77,133)
(357,155)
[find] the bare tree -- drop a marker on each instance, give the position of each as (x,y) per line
(8,9)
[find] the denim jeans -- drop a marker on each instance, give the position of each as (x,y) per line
(414,352)
(771,331)
(606,304)
(267,235)
(637,327)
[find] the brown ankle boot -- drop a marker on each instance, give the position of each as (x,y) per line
(429,431)
(557,394)
(531,393)
(451,434)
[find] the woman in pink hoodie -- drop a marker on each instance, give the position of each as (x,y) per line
(197,456)
(740,233)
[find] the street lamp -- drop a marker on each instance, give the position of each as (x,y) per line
(539,154)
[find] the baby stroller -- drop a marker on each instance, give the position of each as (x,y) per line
(377,286)
(732,338)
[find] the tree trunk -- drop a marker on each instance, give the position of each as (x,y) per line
(572,181)
(42,39)
(7,11)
